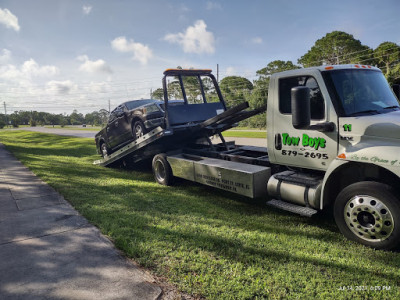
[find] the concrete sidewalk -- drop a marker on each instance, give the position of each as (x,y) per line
(49,251)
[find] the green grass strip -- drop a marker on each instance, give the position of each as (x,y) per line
(208,242)
(246,134)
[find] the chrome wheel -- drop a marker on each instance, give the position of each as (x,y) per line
(104,150)
(139,130)
(368,218)
(162,170)
(159,171)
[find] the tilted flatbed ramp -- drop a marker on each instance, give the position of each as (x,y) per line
(143,141)
(161,140)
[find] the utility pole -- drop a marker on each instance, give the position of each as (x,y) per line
(151,92)
(217,73)
(5,112)
(109,106)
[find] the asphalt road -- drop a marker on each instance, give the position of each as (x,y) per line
(91,134)
(62,131)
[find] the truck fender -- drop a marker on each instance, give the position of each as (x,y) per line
(334,165)
(342,173)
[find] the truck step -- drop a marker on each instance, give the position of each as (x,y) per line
(300,210)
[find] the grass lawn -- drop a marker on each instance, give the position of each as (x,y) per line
(208,242)
(246,134)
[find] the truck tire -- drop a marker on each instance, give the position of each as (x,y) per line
(138,130)
(104,150)
(369,213)
(162,170)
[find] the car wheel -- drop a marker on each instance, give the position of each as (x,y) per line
(104,150)
(162,170)
(138,130)
(369,213)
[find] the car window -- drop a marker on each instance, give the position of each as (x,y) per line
(152,108)
(136,103)
(114,113)
(112,116)
(316,99)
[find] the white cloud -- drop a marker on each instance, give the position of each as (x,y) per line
(98,87)
(257,40)
(5,56)
(87,9)
(141,53)
(26,71)
(213,5)
(91,66)
(61,87)
(31,68)
(195,39)
(8,19)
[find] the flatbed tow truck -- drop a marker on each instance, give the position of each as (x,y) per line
(333,143)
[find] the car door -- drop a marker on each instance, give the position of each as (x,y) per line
(124,125)
(304,148)
(111,129)
(115,127)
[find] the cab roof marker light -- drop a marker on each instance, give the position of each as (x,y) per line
(329,68)
(357,66)
(364,67)
(342,156)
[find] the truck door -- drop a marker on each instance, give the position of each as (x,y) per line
(298,147)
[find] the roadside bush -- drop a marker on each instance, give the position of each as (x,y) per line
(2,124)
(32,123)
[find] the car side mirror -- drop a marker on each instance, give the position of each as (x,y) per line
(119,113)
(396,90)
(301,112)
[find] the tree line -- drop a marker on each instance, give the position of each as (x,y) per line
(35,118)
(334,48)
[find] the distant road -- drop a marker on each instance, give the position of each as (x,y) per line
(91,134)
(62,131)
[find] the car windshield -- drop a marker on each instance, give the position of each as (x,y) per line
(136,103)
(172,103)
(362,92)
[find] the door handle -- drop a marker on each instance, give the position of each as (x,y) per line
(278,141)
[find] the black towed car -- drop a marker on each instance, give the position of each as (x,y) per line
(129,121)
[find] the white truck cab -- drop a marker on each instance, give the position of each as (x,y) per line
(343,121)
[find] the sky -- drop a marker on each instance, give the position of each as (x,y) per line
(57,56)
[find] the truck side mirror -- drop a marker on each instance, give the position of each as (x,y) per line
(396,90)
(301,112)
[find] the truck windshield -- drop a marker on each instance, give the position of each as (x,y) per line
(361,92)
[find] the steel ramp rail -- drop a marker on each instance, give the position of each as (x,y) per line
(141,142)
